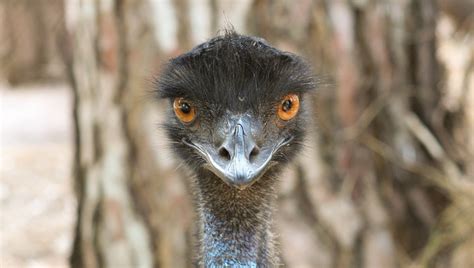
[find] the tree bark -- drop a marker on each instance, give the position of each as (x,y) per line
(28,50)
(125,185)
(384,178)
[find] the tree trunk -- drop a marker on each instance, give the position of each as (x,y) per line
(385,180)
(125,184)
(29,33)
(382,177)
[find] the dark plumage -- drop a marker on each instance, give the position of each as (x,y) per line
(236,143)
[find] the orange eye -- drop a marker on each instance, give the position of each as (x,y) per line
(289,107)
(184,110)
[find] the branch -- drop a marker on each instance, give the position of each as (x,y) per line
(429,173)
(429,141)
(366,117)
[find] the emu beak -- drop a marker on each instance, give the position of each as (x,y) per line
(239,162)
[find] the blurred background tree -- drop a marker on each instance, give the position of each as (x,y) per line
(29,35)
(386,180)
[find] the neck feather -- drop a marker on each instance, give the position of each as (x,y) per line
(235,225)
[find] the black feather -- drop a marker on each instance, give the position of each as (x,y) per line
(231,67)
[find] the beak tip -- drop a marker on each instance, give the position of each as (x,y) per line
(241,181)
(241,187)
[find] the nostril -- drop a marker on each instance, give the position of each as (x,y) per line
(254,153)
(224,153)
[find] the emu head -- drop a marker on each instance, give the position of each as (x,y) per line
(237,107)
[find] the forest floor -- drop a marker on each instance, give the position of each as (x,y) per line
(37,207)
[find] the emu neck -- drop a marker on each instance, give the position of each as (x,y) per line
(235,224)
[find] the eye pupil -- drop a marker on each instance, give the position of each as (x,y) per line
(286,105)
(185,108)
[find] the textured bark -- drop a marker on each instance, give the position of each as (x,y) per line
(125,182)
(184,26)
(386,178)
(29,33)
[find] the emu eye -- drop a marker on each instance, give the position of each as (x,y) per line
(184,110)
(288,107)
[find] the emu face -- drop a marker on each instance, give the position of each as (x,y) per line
(237,106)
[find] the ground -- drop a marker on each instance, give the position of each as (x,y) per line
(37,206)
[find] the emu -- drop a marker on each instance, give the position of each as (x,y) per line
(238,113)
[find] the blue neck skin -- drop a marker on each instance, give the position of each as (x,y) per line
(235,226)
(238,250)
